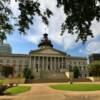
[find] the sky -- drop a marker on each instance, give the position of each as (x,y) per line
(22,44)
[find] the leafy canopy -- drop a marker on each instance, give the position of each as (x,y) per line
(5,25)
(79,16)
(94,68)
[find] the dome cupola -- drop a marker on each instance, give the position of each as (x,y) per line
(45,42)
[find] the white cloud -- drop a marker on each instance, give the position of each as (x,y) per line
(54,29)
(93,47)
(34,39)
(93,44)
(96,28)
(14,7)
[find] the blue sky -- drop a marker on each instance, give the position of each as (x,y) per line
(24,43)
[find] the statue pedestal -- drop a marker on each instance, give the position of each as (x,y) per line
(70,76)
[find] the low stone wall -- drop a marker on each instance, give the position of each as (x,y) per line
(48,75)
(81,80)
(49,80)
(97,79)
(55,77)
(45,77)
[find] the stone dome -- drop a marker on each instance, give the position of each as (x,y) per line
(45,42)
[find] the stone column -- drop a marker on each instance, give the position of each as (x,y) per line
(47,64)
(58,63)
(43,63)
(62,63)
(51,63)
(39,64)
(34,64)
(55,63)
(30,64)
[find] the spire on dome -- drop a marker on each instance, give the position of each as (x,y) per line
(45,42)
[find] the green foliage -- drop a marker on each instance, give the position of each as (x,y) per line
(30,8)
(5,25)
(6,71)
(27,73)
(79,16)
(76,87)
(2,81)
(94,68)
(76,72)
(18,89)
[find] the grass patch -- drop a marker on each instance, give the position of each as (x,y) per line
(2,81)
(76,87)
(17,89)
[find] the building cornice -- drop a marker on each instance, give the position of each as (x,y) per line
(14,55)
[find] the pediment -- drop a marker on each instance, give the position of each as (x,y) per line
(48,51)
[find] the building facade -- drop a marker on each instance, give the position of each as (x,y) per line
(94,57)
(45,63)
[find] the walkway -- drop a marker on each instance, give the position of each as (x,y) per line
(43,92)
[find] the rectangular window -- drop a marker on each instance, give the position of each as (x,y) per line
(14,61)
(8,61)
(1,61)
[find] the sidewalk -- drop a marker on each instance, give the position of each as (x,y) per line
(43,92)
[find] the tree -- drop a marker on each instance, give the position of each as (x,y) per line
(28,9)
(27,73)
(7,70)
(94,68)
(76,72)
(79,15)
(5,25)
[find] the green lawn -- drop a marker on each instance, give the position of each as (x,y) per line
(76,87)
(2,81)
(18,89)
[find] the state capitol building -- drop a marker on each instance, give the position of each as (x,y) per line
(45,63)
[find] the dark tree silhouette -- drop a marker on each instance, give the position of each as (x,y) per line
(5,25)
(79,15)
(94,68)
(76,72)
(27,73)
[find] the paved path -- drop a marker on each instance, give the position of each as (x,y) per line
(43,92)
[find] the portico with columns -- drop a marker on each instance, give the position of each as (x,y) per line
(48,61)
(45,63)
